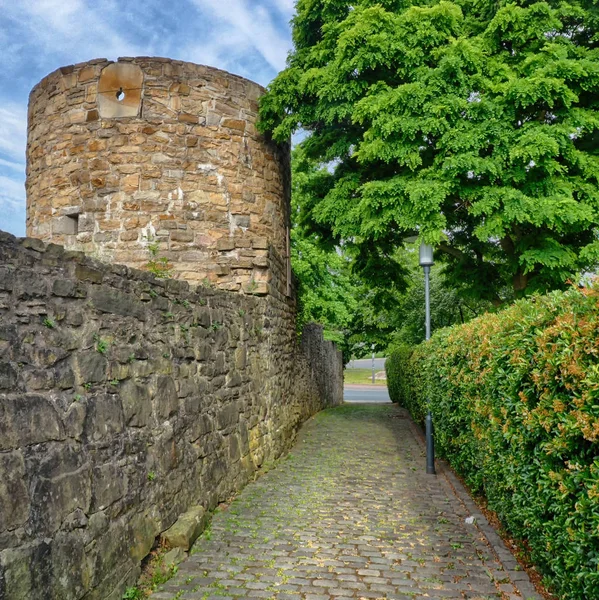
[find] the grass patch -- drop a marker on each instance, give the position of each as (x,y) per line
(361,376)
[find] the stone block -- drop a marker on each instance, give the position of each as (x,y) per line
(119,90)
(74,420)
(68,570)
(108,485)
(228,415)
(14,495)
(187,118)
(8,377)
(256,288)
(90,367)
(137,405)
(6,279)
(174,557)
(33,244)
(144,529)
(87,74)
(165,396)
(187,529)
(30,284)
(112,551)
(236,124)
(17,567)
(64,225)
(66,288)
(182,236)
(260,262)
(58,490)
(119,303)
(242,221)
(104,417)
(225,244)
(243,242)
(85,273)
(28,419)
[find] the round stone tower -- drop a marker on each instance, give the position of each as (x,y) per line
(149,161)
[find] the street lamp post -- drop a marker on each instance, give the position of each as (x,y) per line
(426,262)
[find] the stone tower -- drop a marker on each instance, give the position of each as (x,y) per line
(150,153)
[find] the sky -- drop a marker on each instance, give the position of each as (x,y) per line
(250,38)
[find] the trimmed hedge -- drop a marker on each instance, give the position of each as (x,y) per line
(515,403)
(395,381)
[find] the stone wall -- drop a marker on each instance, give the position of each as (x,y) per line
(124,400)
(176,162)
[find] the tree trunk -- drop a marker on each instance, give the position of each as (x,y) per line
(520,281)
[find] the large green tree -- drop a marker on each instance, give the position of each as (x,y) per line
(359,312)
(471,123)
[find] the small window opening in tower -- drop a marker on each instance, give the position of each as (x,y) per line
(120,95)
(73,222)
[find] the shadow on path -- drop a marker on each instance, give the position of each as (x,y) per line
(349,513)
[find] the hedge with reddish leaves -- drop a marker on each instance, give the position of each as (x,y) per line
(515,402)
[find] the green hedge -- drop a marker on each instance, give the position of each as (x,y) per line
(395,381)
(515,402)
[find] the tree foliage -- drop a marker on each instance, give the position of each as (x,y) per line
(447,305)
(329,292)
(357,312)
(471,123)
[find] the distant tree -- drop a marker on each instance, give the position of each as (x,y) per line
(448,307)
(472,124)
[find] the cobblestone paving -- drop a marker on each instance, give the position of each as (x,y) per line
(350,513)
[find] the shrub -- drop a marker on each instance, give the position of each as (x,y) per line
(515,402)
(396,382)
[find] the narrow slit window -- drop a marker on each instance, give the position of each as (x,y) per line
(73,223)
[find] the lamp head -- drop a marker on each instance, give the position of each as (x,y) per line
(426,255)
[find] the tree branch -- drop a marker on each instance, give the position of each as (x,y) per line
(457,253)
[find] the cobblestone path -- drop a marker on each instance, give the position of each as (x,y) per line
(350,513)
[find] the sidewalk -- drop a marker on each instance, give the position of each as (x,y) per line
(350,514)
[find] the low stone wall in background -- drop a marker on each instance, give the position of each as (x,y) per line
(124,400)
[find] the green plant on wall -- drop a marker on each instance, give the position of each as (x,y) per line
(101,344)
(133,593)
(158,265)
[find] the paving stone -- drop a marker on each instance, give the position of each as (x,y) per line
(350,513)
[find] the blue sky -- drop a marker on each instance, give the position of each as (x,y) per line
(247,37)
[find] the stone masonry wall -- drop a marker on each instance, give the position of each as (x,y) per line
(124,400)
(176,162)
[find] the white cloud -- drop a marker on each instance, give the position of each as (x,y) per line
(12,165)
(12,205)
(13,192)
(285,7)
(13,132)
(75,27)
(254,23)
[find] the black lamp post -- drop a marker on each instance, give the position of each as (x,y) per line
(426,262)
